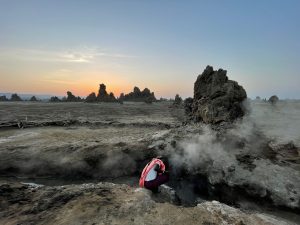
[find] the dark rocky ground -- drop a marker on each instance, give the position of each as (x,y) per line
(240,164)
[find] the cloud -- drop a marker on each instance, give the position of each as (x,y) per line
(77,55)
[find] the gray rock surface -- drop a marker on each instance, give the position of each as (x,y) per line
(108,203)
(216,98)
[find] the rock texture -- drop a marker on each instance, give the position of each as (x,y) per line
(188,107)
(216,98)
(108,203)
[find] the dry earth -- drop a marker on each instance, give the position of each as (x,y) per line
(71,143)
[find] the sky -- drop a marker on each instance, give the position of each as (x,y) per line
(50,47)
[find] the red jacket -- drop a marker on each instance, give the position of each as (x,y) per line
(148,167)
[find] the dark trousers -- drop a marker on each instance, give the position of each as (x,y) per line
(159,180)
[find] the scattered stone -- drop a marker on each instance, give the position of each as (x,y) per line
(216,98)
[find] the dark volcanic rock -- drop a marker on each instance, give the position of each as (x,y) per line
(188,106)
(33,99)
(216,98)
(178,100)
(15,97)
(54,99)
(72,98)
(103,96)
(273,99)
(139,96)
(3,98)
(91,97)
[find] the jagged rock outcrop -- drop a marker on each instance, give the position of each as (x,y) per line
(33,99)
(216,98)
(103,96)
(72,98)
(54,99)
(3,98)
(15,97)
(188,106)
(139,96)
(273,99)
(91,98)
(178,100)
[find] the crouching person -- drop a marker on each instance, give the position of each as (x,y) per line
(155,174)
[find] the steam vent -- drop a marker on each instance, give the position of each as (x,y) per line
(217,99)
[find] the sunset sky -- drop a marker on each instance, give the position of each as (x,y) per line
(49,47)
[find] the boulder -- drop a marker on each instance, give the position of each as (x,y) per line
(217,99)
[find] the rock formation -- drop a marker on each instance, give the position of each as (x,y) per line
(103,96)
(178,100)
(3,98)
(273,99)
(91,98)
(33,99)
(54,99)
(139,96)
(72,98)
(188,106)
(15,97)
(216,98)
